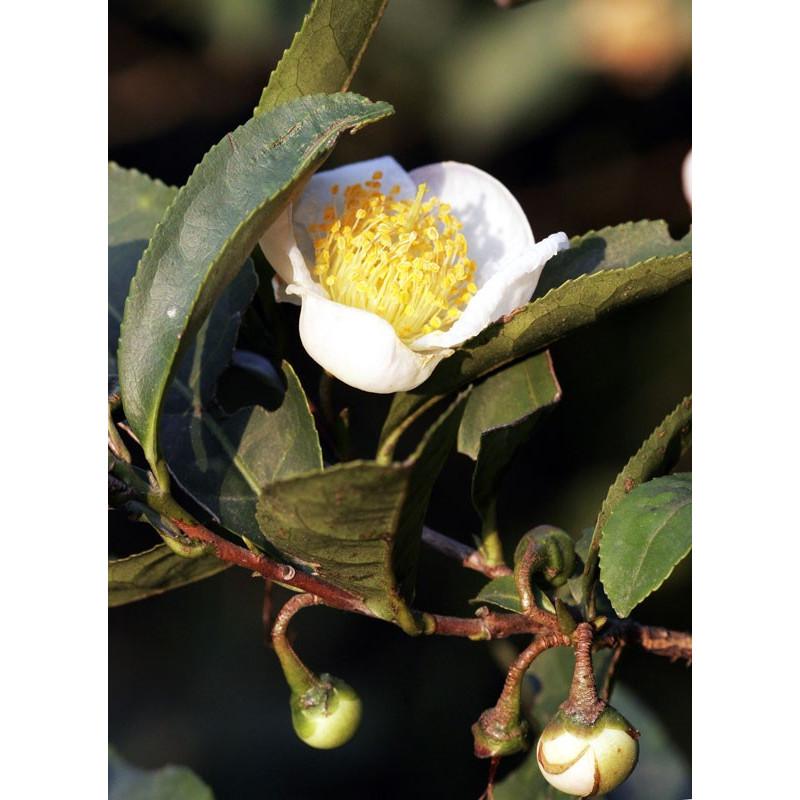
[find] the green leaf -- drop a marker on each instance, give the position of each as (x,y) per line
(156,571)
(326,51)
(505,399)
(224,464)
(500,417)
(659,453)
(135,205)
(238,189)
(647,534)
(614,247)
(211,350)
(502,592)
(573,305)
(358,525)
(126,782)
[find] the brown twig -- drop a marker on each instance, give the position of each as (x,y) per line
(485,625)
(674,645)
(282,573)
(516,672)
(468,556)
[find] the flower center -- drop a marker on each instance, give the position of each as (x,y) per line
(404,260)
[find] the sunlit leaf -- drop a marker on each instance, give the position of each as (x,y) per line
(659,453)
(358,525)
(205,236)
(325,52)
(646,535)
(614,247)
(579,302)
(156,571)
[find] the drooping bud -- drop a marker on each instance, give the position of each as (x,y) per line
(495,736)
(548,554)
(327,714)
(587,759)
(326,711)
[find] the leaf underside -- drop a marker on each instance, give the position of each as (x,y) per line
(358,525)
(156,571)
(224,462)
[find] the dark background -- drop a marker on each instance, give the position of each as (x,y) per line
(583,109)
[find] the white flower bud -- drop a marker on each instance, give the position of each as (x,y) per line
(587,759)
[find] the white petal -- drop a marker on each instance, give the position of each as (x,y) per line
(686,177)
(511,287)
(495,226)
(579,778)
(361,348)
(281,250)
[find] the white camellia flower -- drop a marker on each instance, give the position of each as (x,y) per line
(394,269)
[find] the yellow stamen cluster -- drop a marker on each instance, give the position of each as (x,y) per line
(405,260)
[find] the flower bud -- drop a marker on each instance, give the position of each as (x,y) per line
(554,558)
(328,714)
(495,738)
(587,759)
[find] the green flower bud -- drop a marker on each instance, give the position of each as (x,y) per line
(553,559)
(587,759)
(495,738)
(328,714)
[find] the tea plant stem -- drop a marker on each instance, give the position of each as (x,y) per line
(486,625)
(282,573)
(468,556)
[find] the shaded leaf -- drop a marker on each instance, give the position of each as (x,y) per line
(358,525)
(156,571)
(126,782)
(325,52)
(500,417)
(502,592)
(573,305)
(506,398)
(659,453)
(645,536)
(135,205)
(205,236)
(224,463)
(211,350)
